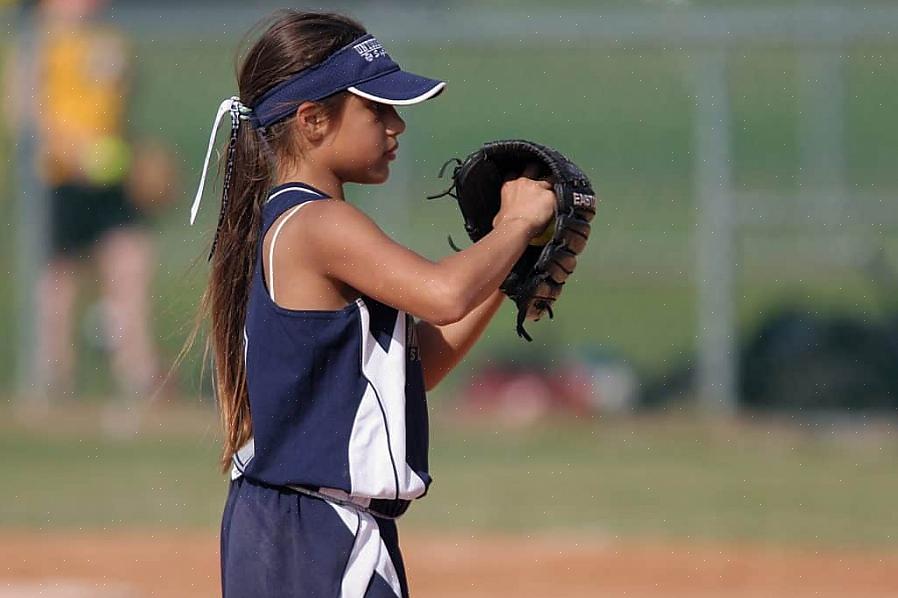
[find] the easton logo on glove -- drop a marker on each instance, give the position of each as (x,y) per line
(536,279)
(582,200)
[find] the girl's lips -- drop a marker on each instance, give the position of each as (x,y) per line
(391,153)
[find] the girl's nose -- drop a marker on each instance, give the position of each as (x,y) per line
(395,124)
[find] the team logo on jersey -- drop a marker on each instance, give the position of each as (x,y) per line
(411,339)
(370,49)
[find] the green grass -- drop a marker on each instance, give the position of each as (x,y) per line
(69,474)
(669,476)
(673,475)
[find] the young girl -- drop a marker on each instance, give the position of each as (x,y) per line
(326,333)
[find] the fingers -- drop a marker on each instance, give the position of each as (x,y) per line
(530,171)
(541,183)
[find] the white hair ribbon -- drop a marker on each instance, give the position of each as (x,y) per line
(229,105)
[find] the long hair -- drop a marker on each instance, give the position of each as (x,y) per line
(291,41)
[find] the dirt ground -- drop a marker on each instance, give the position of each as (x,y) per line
(129,564)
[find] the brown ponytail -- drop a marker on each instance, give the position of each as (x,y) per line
(291,42)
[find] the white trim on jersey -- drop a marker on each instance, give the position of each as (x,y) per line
(424,96)
(282,220)
(371,465)
(377,466)
(303,189)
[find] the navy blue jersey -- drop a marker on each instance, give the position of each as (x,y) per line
(337,396)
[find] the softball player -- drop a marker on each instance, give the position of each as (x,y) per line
(321,368)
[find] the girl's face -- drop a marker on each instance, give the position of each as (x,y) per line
(363,140)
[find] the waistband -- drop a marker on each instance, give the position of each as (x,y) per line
(377,507)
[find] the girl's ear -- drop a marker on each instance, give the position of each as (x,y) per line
(311,121)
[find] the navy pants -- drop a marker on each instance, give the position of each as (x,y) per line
(278,543)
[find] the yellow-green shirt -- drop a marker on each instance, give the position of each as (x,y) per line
(82,109)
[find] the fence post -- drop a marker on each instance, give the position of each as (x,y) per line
(31,214)
(717,345)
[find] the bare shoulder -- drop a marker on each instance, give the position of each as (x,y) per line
(332,214)
(330,224)
(328,234)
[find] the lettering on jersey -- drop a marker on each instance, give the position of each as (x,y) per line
(584,200)
(411,339)
(370,49)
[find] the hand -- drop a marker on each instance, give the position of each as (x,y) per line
(527,199)
(152,181)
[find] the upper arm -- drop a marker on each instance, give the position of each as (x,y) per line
(345,244)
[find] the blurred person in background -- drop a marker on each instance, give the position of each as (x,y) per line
(100,188)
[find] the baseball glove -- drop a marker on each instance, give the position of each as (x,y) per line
(537,278)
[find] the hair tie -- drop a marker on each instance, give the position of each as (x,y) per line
(238,112)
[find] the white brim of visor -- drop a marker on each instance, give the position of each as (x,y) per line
(407,102)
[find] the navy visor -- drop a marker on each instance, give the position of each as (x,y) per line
(363,68)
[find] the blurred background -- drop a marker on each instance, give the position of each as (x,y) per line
(712,410)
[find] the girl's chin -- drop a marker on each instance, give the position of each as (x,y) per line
(375,175)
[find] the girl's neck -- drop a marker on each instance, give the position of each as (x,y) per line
(320,178)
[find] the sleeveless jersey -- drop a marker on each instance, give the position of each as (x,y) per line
(337,397)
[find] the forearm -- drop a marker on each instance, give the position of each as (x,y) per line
(475,273)
(443,347)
